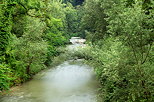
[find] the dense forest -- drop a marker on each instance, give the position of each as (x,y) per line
(30,32)
(119,34)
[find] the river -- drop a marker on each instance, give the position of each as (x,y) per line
(71,81)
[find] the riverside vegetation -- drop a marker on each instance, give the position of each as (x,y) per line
(30,33)
(119,34)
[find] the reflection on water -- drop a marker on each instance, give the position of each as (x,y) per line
(66,83)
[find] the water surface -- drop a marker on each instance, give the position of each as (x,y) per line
(68,82)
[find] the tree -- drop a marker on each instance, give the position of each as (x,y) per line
(93,20)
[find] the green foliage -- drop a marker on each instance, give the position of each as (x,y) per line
(93,21)
(30,32)
(54,36)
(72,20)
(122,54)
(31,49)
(119,76)
(5,79)
(5,27)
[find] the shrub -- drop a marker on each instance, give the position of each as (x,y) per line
(121,79)
(5,79)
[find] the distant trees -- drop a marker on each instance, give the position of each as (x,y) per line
(93,20)
(73,19)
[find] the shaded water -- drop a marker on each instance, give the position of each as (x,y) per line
(71,81)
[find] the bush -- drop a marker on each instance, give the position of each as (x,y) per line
(119,76)
(5,79)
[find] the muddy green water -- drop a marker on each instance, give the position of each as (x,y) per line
(68,82)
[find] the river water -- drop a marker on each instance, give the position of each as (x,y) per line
(71,81)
